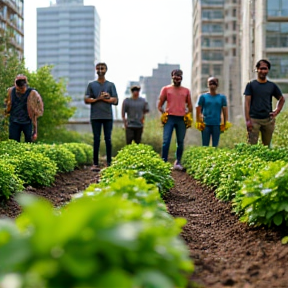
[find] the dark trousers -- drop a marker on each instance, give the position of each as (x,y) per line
(96,128)
(177,123)
(211,131)
(15,130)
(133,133)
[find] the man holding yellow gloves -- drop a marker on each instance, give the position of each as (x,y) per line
(177,114)
(210,107)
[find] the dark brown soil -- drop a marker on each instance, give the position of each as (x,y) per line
(226,253)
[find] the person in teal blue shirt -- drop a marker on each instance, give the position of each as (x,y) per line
(210,107)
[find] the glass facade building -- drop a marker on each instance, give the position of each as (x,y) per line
(68,37)
(12,24)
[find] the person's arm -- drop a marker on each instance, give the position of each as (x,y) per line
(123,114)
(247,112)
(8,102)
(162,99)
(199,116)
(225,114)
(279,106)
(189,104)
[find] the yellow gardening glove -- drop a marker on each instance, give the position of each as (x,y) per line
(225,127)
(200,125)
(188,120)
(164,118)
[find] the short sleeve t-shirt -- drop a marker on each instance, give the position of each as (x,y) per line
(101,109)
(176,98)
(211,106)
(261,98)
(135,109)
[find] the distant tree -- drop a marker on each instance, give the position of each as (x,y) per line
(56,102)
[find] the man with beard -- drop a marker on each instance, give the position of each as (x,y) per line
(25,105)
(178,104)
(259,115)
(101,95)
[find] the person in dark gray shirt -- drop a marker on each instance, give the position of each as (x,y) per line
(101,95)
(135,109)
(259,114)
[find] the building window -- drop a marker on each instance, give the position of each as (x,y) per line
(277,8)
(212,14)
(234,25)
(212,42)
(234,52)
(217,70)
(234,13)
(212,55)
(212,28)
(234,39)
(205,69)
(279,65)
(276,34)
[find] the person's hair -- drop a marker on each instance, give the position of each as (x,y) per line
(213,77)
(176,71)
(265,61)
(102,64)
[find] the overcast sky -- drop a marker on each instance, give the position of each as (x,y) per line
(135,36)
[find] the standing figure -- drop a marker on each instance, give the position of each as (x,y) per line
(135,108)
(25,105)
(259,115)
(210,107)
(101,95)
(178,104)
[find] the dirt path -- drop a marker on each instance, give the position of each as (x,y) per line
(226,252)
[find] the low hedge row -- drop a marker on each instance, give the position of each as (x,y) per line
(252,177)
(117,234)
(37,164)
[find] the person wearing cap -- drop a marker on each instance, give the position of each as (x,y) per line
(24,105)
(211,107)
(133,115)
(101,95)
(178,104)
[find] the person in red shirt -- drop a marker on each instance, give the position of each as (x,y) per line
(178,102)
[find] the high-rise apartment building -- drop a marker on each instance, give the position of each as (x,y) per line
(151,85)
(68,37)
(229,37)
(265,35)
(216,50)
(11,25)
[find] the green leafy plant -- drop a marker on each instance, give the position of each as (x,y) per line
(143,161)
(264,196)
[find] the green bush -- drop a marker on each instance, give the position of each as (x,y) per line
(64,159)
(33,168)
(143,161)
(9,182)
(263,198)
(78,151)
(102,242)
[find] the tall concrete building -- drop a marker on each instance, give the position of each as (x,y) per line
(216,50)
(12,24)
(265,35)
(151,85)
(68,37)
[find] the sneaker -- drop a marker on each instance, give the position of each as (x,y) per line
(178,166)
(95,168)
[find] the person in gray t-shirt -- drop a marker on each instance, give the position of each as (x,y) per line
(101,95)
(135,109)
(259,113)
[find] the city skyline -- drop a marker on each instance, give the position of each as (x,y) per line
(135,41)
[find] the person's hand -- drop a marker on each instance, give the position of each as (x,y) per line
(34,137)
(249,125)
(105,95)
(274,113)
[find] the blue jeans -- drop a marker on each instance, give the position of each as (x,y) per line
(176,122)
(211,131)
(15,130)
(96,128)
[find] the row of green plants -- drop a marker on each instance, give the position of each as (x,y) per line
(116,234)
(23,164)
(254,178)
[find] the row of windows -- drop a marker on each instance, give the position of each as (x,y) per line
(276,34)
(212,42)
(212,55)
(279,67)
(212,69)
(212,28)
(212,14)
(277,8)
